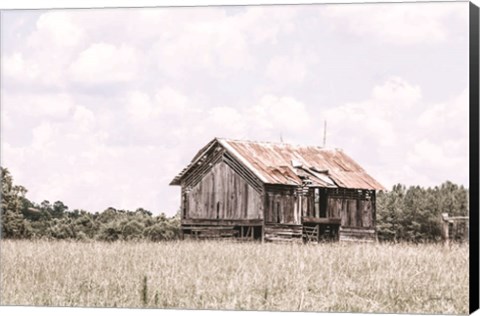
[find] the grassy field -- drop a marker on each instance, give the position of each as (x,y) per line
(243,276)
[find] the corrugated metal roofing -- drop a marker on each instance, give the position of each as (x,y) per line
(273,163)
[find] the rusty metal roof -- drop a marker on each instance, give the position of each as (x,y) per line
(287,164)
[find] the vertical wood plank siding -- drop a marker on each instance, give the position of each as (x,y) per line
(353,212)
(223,189)
(282,205)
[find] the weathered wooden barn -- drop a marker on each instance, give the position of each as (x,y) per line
(276,192)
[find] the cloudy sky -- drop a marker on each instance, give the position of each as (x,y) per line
(104,107)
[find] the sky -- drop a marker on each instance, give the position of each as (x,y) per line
(104,107)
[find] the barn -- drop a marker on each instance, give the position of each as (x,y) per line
(276,192)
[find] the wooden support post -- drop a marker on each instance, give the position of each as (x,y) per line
(445,235)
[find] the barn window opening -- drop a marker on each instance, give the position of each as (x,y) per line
(218,210)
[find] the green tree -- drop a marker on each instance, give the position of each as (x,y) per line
(132,229)
(110,231)
(389,212)
(414,214)
(14,223)
(59,209)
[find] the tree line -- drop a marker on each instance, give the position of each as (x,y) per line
(410,214)
(24,219)
(414,213)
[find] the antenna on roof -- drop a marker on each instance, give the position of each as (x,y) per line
(324,133)
(281,138)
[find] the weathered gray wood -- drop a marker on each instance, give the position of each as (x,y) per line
(282,232)
(196,174)
(233,222)
(306,219)
(249,177)
(358,213)
(366,213)
(280,205)
(224,190)
(352,212)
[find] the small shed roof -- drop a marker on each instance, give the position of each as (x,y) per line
(287,164)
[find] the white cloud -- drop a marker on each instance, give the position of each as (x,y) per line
(103,63)
(83,118)
(280,113)
(227,122)
(57,29)
(70,160)
(43,137)
(429,155)
(213,41)
(445,148)
(89,46)
(208,45)
(451,116)
(56,106)
(169,112)
(400,137)
(398,24)
(43,54)
(290,68)
(166,101)
(396,92)
(16,68)
(139,105)
(378,118)
(282,68)
(266,24)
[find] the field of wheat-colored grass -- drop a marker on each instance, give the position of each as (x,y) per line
(340,277)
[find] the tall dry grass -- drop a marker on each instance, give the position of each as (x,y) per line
(242,276)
